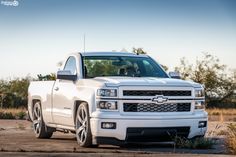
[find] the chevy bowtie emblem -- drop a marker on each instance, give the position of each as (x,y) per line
(160,99)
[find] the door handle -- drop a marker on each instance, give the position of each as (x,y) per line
(56,89)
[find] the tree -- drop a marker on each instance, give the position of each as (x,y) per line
(14,92)
(48,77)
(164,67)
(4,86)
(139,51)
(211,73)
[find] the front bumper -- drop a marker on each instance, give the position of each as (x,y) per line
(147,128)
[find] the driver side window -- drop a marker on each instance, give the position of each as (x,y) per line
(71,65)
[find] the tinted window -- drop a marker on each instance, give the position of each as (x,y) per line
(97,66)
(71,65)
(148,68)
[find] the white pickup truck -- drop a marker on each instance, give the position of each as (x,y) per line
(115,98)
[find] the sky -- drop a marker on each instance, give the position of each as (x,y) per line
(37,34)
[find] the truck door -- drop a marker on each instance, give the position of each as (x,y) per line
(64,93)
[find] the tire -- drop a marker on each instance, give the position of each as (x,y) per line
(39,127)
(83,130)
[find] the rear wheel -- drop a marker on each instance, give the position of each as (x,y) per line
(83,130)
(40,129)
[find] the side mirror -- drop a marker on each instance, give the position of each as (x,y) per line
(66,75)
(174,75)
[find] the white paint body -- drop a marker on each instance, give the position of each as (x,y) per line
(58,102)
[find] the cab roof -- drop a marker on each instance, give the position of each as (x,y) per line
(111,54)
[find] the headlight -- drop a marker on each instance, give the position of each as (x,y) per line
(107,92)
(199,92)
(199,105)
(107,105)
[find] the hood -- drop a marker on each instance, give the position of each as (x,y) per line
(145,81)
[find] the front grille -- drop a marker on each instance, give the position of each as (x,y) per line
(156,92)
(152,107)
(156,134)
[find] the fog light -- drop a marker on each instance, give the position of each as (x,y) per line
(202,124)
(107,105)
(108,125)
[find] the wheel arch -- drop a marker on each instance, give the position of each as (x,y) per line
(76,105)
(31,106)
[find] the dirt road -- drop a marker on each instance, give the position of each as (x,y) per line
(17,136)
(30,154)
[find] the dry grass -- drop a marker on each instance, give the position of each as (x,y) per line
(230,139)
(13,110)
(13,113)
(219,112)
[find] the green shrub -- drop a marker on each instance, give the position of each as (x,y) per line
(6,115)
(13,113)
(197,143)
(20,115)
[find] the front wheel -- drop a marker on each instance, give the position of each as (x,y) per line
(40,129)
(83,130)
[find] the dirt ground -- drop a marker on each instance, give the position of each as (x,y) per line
(18,136)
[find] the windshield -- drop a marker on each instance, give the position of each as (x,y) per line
(98,66)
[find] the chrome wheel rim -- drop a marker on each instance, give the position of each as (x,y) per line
(82,128)
(37,120)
